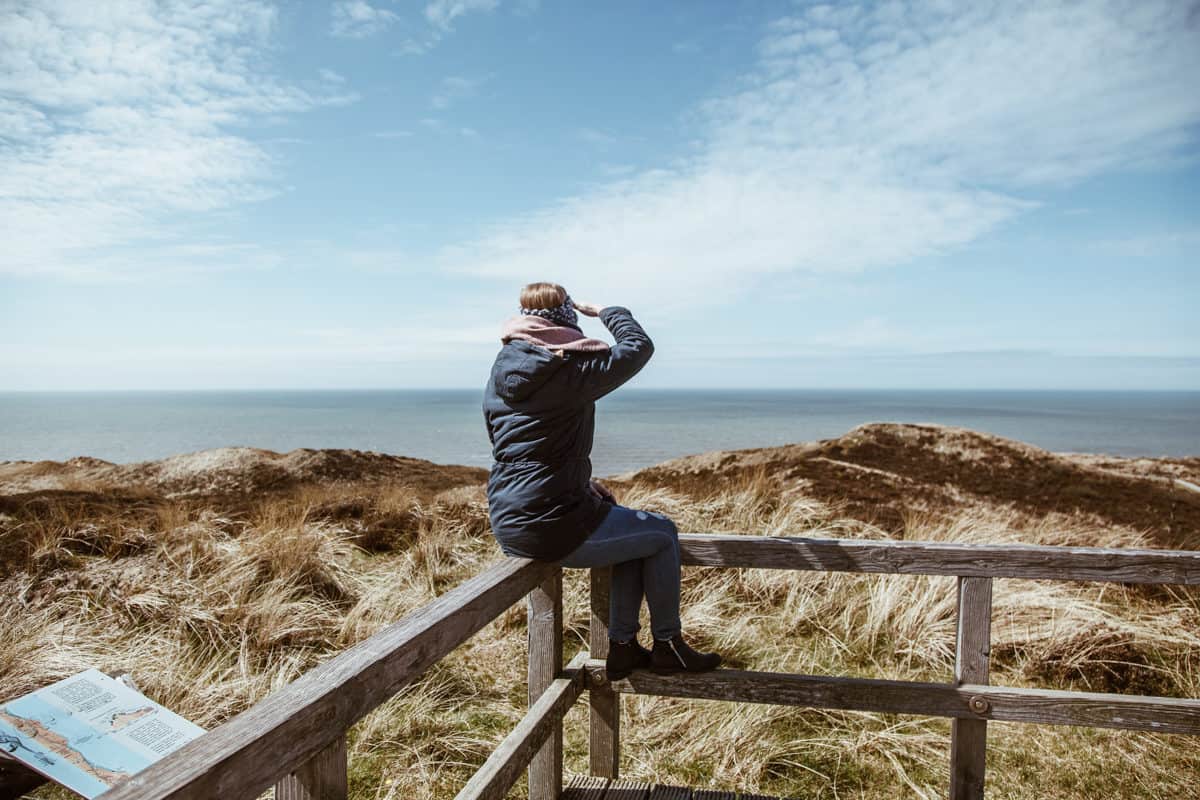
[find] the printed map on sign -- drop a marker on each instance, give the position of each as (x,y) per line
(90,732)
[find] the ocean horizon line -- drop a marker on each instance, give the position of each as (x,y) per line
(637,426)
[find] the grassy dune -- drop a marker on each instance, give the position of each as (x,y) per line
(214,603)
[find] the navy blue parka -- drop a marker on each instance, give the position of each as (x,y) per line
(540,410)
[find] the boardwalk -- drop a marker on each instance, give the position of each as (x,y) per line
(584,788)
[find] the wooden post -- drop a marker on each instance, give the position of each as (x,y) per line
(322,778)
(545,663)
(605,740)
(968,737)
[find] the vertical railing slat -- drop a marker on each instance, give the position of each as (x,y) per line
(605,731)
(322,778)
(545,663)
(968,737)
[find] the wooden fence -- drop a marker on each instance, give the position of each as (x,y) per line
(295,739)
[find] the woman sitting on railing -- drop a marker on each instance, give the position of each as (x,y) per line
(543,503)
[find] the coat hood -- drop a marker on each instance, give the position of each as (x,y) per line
(521,368)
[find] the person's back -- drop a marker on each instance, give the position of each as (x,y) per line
(540,412)
(540,409)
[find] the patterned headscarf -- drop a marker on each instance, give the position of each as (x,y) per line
(564,314)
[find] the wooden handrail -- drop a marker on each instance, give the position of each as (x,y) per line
(296,737)
(965,701)
(969,701)
(265,743)
(942,558)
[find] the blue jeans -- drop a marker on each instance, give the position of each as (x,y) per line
(643,549)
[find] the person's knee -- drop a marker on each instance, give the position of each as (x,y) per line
(670,529)
(663,533)
(668,522)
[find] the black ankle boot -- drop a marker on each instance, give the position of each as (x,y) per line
(624,658)
(674,655)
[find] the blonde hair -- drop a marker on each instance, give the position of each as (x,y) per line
(542,295)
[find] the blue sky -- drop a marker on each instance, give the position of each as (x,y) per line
(242,194)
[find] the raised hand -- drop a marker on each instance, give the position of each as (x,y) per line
(587,309)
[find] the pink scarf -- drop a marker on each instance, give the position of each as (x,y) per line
(542,331)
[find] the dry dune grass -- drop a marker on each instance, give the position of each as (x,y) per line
(213,608)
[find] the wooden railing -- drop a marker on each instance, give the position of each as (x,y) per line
(295,739)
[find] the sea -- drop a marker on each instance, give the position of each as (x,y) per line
(634,427)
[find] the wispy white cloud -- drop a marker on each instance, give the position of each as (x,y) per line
(21,121)
(1015,94)
(357,19)
(433,340)
(876,334)
(441,16)
(1179,242)
(416,47)
(454,88)
(440,126)
(442,13)
(166,254)
(868,136)
(118,118)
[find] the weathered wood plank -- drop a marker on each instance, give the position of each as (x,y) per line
(627,790)
(322,778)
(502,768)
(670,793)
(16,779)
(604,733)
(586,787)
(259,746)
(943,558)
(968,737)
(973,633)
(545,614)
(712,794)
(1043,706)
